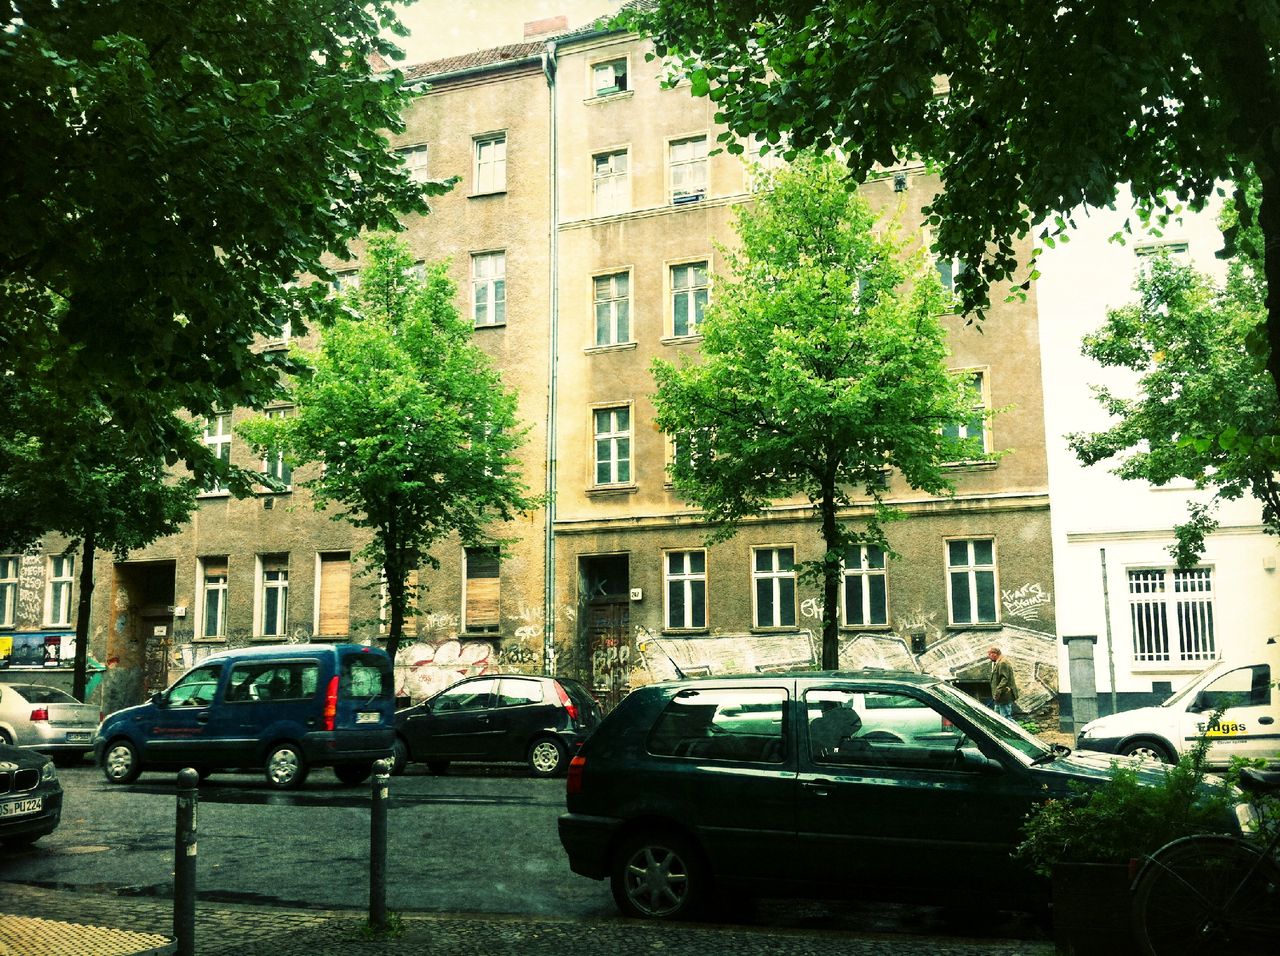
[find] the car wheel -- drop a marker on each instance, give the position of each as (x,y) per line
(546,757)
(353,773)
(438,766)
(5,738)
(286,770)
(1148,750)
(120,762)
(399,756)
(659,876)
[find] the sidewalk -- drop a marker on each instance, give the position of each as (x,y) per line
(80,924)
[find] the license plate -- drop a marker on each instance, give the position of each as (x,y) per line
(19,807)
(368,717)
(77,738)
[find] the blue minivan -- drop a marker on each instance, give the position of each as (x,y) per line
(284,708)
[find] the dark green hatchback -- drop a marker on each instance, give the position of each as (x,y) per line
(879,783)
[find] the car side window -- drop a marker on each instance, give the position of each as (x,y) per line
(1242,687)
(195,688)
(273,680)
(471,695)
(745,724)
(880,729)
(513,692)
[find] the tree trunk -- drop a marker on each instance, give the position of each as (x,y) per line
(1269,221)
(830,583)
(395,575)
(79,677)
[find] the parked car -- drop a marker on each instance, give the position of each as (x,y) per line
(47,719)
(1235,704)
(540,721)
(284,708)
(877,783)
(30,796)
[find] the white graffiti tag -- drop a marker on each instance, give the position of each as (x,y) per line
(1025,602)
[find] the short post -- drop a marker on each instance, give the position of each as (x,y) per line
(184,863)
(378,844)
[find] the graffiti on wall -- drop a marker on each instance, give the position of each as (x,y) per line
(1024,603)
(424,669)
(30,603)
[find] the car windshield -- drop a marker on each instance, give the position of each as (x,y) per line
(1001,728)
(39,694)
(1185,691)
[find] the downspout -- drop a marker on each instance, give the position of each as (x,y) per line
(553,352)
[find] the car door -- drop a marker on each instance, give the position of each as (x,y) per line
(906,803)
(522,712)
(457,723)
(179,731)
(1248,723)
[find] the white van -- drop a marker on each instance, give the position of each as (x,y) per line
(1248,726)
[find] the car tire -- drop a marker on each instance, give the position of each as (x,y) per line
(285,767)
(1148,748)
(353,773)
(399,756)
(438,767)
(5,738)
(659,875)
(546,757)
(120,762)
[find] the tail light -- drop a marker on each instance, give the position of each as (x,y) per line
(40,713)
(331,703)
(573,783)
(947,724)
(569,705)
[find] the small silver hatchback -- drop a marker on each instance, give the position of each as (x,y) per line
(46,719)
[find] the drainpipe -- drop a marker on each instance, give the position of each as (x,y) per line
(549,514)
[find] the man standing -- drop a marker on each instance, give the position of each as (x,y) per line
(1004,689)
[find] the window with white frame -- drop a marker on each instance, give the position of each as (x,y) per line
(687,449)
(1179,252)
(213,597)
(346,280)
(866,596)
(415,162)
(773,574)
(58,590)
(8,588)
(949,270)
(970,436)
(489,288)
(686,591)
(491,163)
(481,600)
(610,182)
(688,165)
(689,291)
(283,330)
(971,576)
(273,596)
(274,463)
(1171,611)
(609,77)
(612,297)
(612,445)
(217,436)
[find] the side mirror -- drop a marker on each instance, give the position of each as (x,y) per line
(160,698)
(1200,703)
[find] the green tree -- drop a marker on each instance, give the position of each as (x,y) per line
(823,364)
(167,169)
(414,433)
(1027,109)
(1201,407)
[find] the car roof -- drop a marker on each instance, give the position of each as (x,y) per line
(862,674)
(285,650)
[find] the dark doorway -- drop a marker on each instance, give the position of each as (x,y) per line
(140,646)
(604,597)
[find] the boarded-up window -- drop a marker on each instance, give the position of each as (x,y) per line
(335,594)
(482,590)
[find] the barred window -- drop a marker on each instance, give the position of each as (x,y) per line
(1171,611)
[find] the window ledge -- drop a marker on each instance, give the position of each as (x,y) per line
(602,491)
(275,345)
(1165,668)
(208,640)
(781,629)
(977,626)
(686,631)
(495,192)
(489,325)
(609,97)
(213,494)
(619,347)
(971,465)
(693,339)
(867,628)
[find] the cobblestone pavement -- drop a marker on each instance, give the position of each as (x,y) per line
(226,929)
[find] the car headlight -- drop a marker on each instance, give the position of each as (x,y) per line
(47,773)
(1086,730)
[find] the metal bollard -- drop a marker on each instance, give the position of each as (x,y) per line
(378,844)
(184,863)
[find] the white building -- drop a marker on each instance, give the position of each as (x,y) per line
(1130,625)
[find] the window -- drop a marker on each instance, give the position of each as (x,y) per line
(213,597)
(217,435)
(970,436)
(686,593)
(1177,251)
(365,676)
(489,288)
(273,680)
(613,308)
(883,729)
(691,447)
(274,463)
(415,162)
(689,289)
(283,330)
(613,445)
(196,688)
(518,691)
(774,576)
(865,596)
(610,182)
(471,695)
(333,609)
(745,724)
(58,590)
(274,595)
(609,77)
(346,281)
(1171,612)
(688,160)
(481,595)
(8,589)
(949,270)
(491,164)
(971,571)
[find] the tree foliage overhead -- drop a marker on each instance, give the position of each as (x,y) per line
(166,168)
(1028,109)
(412,432)
(823,364)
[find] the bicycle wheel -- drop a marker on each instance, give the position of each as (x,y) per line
(1208,894)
